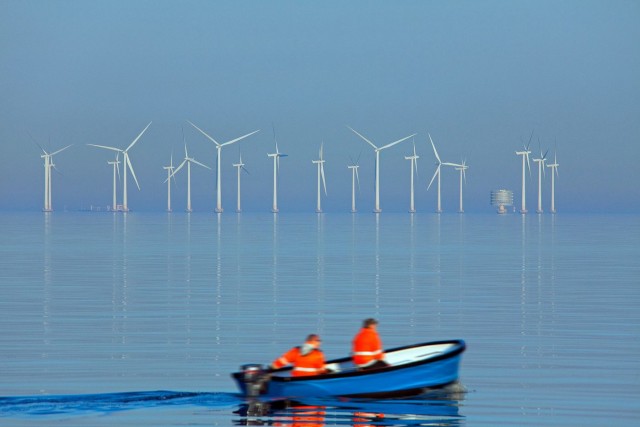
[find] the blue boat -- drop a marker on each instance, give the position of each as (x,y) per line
(412,370)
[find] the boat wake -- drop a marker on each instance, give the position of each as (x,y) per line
(69,405)
(437,407)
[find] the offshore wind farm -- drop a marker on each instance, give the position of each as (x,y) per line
(480,104)
(321,186)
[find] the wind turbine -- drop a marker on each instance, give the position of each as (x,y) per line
(540,161)
(48,164)
(437,173)
(554,168)
(525,154)
(276,170)
(463,175)
(116,170)
(320,164)
(188,160)
(354,177)
(377,150)
(169,170)
(127,165)
(239,166)
(414,166)
(218,158)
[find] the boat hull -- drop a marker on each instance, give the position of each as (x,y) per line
(406,376)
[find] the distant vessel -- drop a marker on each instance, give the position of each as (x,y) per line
(502,199)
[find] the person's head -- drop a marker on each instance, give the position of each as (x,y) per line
(314,340)
(369,323)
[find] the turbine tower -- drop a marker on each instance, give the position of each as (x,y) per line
(463,175)
(540,161)
(554,168)
(437,173)
(377,150)
(187,160)
(525,154)
(354,177)
(320,164)
(276,170)
(127,165)
(116,170)
(414,166)
(169,170)
(239,166)
(218,159)
(48,164)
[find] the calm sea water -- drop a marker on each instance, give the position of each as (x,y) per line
(138,319)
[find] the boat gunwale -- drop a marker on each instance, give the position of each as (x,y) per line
(458,348)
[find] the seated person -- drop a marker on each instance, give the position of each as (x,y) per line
(367,347)
(307,359)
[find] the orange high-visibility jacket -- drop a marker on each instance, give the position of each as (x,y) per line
(367,348)
(311,363)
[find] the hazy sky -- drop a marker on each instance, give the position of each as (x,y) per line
(480,76)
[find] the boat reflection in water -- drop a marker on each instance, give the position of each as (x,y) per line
(436,407)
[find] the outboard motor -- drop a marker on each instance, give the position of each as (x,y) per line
(255,379)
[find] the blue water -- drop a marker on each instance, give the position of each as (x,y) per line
(138,319)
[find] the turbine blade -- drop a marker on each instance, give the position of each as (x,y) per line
(434,177)
(204,133)
(136,140)
(396,142)
(62,149)
(366,140)
(322,175)
(132,171)
(238,139)
(526,147)
(36,142)
(107,148)
(358,179)
(200,164)
(179,167)
(434,149)
(274,133)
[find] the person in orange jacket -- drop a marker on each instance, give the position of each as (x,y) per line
(367,347)
(306,359)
